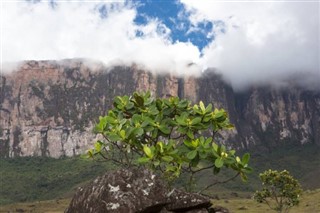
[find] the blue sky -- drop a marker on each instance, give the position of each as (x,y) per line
(175,16)
(251,42)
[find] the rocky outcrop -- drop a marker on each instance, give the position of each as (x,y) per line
(48,108)
(135,190)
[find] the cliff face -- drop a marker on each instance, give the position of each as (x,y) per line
(49,108)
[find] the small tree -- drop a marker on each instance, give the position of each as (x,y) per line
(280,190)
(168,135)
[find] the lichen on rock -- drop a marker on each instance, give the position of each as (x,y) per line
(130,190)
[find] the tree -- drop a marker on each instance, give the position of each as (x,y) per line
(280,190)
(169,135)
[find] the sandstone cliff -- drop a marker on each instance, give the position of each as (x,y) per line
(48,108)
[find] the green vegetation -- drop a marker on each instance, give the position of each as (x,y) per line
(304,169)
(33,178)
(280,190)
(309,204)
(170,135)
(20,178)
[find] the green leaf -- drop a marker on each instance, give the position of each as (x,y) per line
(153,110)
(117,100)
(182,130)
(190,134)
(245,158)
(209,108)
(147,151)
(203,109)
(191,155)
(173,152)
(156,163)
(196,121)
(138,131)
(164,129)
(160,145)
(247,170)
(143,160)
(114,137)
(218,162)
(97,146)
(123,121)
(181,120)
(208,140)
(195,143)
(188,143)
(90,153)
(215,147)
(167,158)
(145,123)
(139,100)
(129,106)
(122,134)
(203,155)
(171,168)
(154,133)
(232,152)
(136,118)
(99,127)
(223,148)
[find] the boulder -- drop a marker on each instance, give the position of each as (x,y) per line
(135,190)
(125,190)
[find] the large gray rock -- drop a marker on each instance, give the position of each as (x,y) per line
(135,190)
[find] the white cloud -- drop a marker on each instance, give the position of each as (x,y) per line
(263,41)
(76,30)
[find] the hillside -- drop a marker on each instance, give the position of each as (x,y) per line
(26,179)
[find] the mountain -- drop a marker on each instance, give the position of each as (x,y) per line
(48,108)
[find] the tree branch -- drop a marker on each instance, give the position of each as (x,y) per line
(199,170)
(219,182)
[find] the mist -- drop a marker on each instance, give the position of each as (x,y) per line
(254,43)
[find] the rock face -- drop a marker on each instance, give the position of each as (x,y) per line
(134,190)
(48,108)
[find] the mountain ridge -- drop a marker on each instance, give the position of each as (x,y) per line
(48,108)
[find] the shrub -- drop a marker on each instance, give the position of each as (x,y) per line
(169,135)
(280,190)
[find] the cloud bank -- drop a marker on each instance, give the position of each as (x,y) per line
(38,31)
(262,42)
(254,42)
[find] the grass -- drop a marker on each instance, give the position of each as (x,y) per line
(309,204)
(33,178)
(47,206)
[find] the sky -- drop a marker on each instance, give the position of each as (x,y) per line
(248,42)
